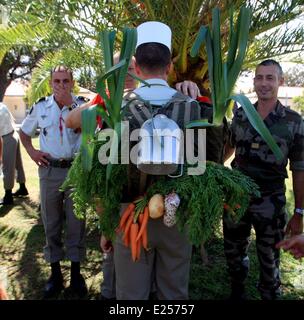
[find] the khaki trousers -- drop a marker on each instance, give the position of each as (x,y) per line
(12,161)
(167,261)
(57,207)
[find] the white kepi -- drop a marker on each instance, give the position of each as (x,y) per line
(154,31)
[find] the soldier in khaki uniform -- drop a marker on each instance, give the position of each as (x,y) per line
(253,157)
(58,145)
(10,157)
(168,260)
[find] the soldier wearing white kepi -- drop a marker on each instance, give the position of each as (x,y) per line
(58,146)
(168,259)
(10,157)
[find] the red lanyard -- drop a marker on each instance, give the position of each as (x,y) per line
(61,121)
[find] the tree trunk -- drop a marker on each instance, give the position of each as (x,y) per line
(5,80)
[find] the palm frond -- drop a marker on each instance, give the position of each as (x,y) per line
(22,35)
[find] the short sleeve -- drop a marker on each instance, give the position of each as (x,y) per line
(30,123)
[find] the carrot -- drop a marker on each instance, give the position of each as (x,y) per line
(126,215)
(226,206)
(144,223)
(126,237)
(133,243)
(144,239)
(3,294)
(138,248)
(140,219)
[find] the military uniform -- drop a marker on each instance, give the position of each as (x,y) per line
(266,214)
(168,261)
(12,160)
(61,143)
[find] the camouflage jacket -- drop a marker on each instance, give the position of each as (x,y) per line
(254,157)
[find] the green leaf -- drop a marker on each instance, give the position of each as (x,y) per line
(88,125)
(200,39)
(216,48)
(243,33)
(101,112)
(258,124)
(139,79)
(233,41)
(209,47)
(203,123)
(113,151)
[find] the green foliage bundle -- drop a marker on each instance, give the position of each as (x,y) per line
(203,198)
(89,191)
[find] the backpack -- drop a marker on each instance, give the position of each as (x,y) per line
(140,114)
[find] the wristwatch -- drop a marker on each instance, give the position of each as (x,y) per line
(299,211)
(73,106)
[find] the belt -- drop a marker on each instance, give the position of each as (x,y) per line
(60,163)
(5,135)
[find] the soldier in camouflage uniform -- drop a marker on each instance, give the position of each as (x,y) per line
(253,157)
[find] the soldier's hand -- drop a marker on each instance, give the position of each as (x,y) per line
(63,96)
(295,225)
(105,245)
(188,88)
(40,157)
(295,245)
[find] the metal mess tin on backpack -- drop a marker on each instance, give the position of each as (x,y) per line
(160,146)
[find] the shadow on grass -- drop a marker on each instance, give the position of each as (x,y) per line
(5,209)
(26,204)
(211,281)
(33,270)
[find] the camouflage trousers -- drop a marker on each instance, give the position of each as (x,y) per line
(268,217)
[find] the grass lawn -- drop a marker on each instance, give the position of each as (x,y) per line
(22,263)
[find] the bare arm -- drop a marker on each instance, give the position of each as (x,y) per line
(295,224)
(298,190)
(228,151)
(105,244)
(73,120)
(36,155)
(295,245)
(1,143)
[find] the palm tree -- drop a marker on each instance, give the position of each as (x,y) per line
(186,17)
(34,46)
(271,34)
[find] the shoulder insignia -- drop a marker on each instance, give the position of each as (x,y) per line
(41,99)
(31,110)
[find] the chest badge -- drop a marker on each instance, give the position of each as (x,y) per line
(255,145)
(43,116)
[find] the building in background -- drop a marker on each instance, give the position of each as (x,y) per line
(14,98)
(285,95)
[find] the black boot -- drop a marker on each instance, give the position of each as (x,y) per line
(237,292)
(21,192)
(54,284)
(78,285)
(8,198)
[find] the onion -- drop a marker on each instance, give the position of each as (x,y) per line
(156,206)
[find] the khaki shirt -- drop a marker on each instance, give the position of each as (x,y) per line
(57,140)
(6,120)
